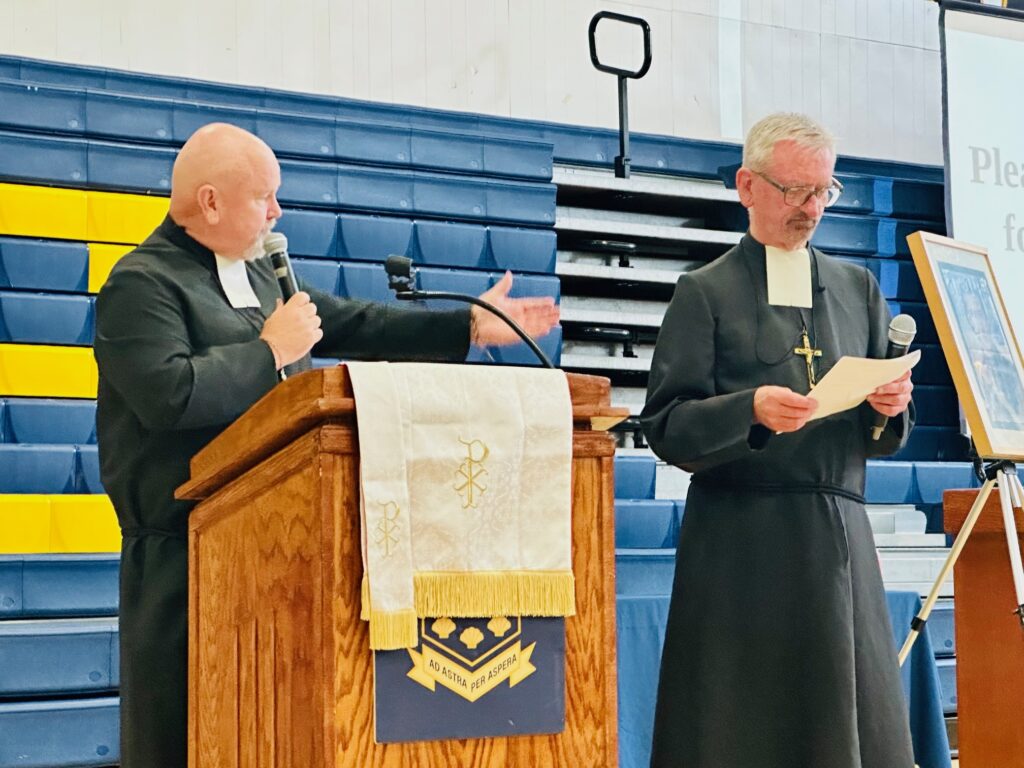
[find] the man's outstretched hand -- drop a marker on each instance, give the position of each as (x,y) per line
(536,316)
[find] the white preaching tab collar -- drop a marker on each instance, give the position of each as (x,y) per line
(234,279)
(789,277)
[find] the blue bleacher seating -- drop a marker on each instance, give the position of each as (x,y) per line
(932,369)
(527,250)
(120,166)
(87,473)
(45,318)
(47,420)
(646,524)
(319,274)
(934,477)
(947,683)
(452,280)
(310,233)
(634,477)
(926,333)
(934,444)
(890,482)
(451,244)
(941,629)
(521,354)
(46,734)
(33,586)
(373,238)
(59,656)
(43,265)
(43,158)
(37,468)
(364,281)
(644,571)
(936,405)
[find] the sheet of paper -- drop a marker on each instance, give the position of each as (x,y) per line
(789,277)
(852,379)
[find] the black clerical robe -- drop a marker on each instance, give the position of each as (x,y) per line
(778,651)
(177,364)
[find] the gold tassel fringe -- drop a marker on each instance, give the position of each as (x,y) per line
(494,593)
(393,631)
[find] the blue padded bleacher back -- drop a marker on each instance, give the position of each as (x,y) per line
(87,479)
(45,265)
(385,144)
(439,150)
(520,354)
(37,468)
(306,183)
(45,734)
(941,629)
(5,429)
(932,369)
(310,233)
(190,116)
(645,524)
(898,279)
(890,482)
(926,333)
(364,281)
(322,275)
(45,420)
(124,116)
(451,244)
(375,189)
(373,238)
(935,477)
(947,684)
(60,656)
(503,157)
(42,107)
(33,586)
(533,285)
(46,318)
(43,158)
(934,444)
(634,477)
(936,406)
(644,571)
(456,281)
(523,250)
(296,135)
(121,166)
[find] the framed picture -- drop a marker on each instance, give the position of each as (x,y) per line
(981,350)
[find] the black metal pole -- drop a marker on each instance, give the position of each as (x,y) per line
(622,161)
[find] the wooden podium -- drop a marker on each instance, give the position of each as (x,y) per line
(989,639)
(280,671)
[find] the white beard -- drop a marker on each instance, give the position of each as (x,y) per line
(255,250)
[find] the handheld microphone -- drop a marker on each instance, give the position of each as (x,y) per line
(402,280)
(902,330)
(275,245)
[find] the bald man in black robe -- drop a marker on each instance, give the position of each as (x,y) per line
(190,332)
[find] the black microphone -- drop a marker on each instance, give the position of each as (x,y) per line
(275,245)
(902,330)
(402,280)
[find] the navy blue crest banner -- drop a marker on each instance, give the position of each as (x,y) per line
(473,678)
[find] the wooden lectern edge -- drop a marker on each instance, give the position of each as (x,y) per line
(957,503)
(325,395)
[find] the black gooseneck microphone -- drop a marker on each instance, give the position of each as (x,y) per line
(275,246)
(402,280)
(902,330)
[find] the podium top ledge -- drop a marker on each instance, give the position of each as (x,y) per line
(325,395)
(956,505)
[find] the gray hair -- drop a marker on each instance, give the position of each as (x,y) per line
(757,150)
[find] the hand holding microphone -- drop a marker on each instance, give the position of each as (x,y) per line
(294,326)
(893,398)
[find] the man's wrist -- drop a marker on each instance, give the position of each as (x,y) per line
(274,351)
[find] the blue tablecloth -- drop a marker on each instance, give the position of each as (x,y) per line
(641,632)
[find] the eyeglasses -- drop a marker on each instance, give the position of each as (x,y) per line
(798,196)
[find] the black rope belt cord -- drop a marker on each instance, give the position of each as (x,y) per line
(788,488)
(135,533)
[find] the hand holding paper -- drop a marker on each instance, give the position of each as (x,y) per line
(853,379)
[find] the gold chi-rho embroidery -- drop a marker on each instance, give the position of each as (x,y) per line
(470,472)
(388,528)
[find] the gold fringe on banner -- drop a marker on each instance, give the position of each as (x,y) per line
(469,595)
(393,631)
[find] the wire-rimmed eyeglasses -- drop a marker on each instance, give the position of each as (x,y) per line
(799,195)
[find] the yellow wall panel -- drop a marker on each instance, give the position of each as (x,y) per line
(118,218)
(42,212)
(102,258)
(24,524)
(83,524)
(28,370)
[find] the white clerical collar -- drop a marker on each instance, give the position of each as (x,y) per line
(789,277)
(234,279)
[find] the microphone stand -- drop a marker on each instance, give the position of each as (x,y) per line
(402,280)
